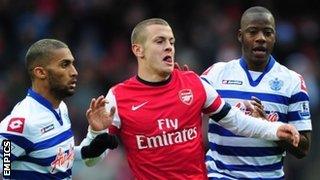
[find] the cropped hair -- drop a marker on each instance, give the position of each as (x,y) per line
(137,35)
(40,53)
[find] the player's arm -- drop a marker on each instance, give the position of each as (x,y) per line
(299,116)
(237,122)
(12,130)
(94,147)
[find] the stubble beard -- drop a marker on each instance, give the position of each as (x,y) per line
(57,89)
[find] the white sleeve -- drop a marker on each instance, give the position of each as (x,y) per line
(113,103)
(19,143)
(235,120)
(213,103)
(239,123)
(86,141)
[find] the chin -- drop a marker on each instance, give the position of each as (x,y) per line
(71,92)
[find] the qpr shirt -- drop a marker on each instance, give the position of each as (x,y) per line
(160,124)
(284,96)
(42,143)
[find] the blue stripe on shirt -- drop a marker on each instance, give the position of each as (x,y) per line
(301,96)
(296,116)
(53,141)
(282,116)
(245,151)
(228,176)
(245,167)
(247,95)
(21,141)
(21,174)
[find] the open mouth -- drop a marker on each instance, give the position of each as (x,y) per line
(73,83)
(168,59)
(259,51)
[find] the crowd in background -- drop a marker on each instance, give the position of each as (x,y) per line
(98,33)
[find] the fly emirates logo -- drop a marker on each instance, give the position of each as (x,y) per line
(175,136)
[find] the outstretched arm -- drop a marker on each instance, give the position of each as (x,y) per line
(92,148)
(237,122)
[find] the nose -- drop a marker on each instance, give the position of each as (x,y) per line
(169,46)
(261,37)
(74,71)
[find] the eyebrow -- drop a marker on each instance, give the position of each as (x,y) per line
(163,37)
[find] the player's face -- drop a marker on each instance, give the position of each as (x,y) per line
(62,75)
(159,50)
(257,36)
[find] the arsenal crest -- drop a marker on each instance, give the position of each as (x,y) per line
(186,96)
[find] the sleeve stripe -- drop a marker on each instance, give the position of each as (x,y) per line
(214,106)
(301,96)
(23,174)
(22,142)
(222,113)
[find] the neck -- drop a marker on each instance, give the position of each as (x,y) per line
(44,91)
(153,77)
(255,65)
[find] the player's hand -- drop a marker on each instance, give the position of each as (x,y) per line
(184,67)
(256,108)
(97,115)
(289,133)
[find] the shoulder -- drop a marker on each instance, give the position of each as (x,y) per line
(218,67)
(217,70)
(16,122)
(126,83)
(185,76)
(289,75)
(177,72)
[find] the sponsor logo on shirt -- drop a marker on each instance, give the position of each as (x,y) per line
(16,125)
(136,107)
(243,108)
(186,96)
(166,138)
(232,82)
(63,161)
(276,84)
(47,128)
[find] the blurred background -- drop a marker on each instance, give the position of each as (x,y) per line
(98,33)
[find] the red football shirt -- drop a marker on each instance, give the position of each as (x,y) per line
(160,124)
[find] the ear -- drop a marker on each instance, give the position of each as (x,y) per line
(137,50)
(39,72)
(240,35)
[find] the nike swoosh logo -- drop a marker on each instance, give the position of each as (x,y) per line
(134,108)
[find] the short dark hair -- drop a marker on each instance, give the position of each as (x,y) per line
(137,35)
(255,9)
(40,52)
